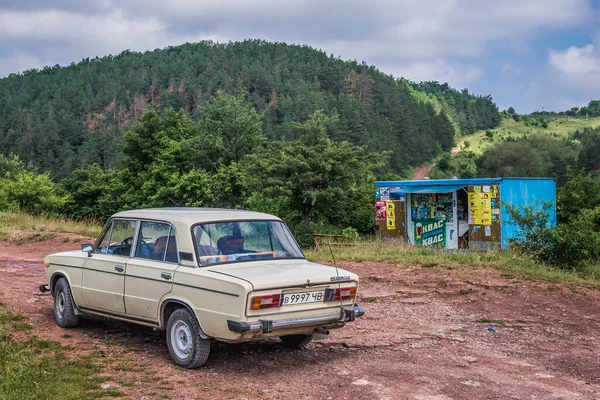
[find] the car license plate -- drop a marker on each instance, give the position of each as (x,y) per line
(302,297)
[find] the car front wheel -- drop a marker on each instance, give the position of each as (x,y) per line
(64,308)
(295,341)
(187,348)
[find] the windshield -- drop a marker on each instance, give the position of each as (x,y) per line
(235,241)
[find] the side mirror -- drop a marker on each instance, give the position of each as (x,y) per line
(87,247)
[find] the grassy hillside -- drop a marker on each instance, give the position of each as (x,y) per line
(531,146)
(509,128)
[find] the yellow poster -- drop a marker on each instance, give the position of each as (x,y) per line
(480,208)
(390,214)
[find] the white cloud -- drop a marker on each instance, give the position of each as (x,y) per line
(418,39)
(458,76)
(578,63)
(110,31)
(575,73)
(18,62)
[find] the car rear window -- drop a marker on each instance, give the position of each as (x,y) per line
(235,241)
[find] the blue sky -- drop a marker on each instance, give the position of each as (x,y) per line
(525,53)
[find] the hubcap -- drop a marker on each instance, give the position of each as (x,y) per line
(181,339)
(60,304)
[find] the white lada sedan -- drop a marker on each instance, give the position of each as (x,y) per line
(202,274)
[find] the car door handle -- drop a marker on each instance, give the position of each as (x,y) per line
(119,268)
(165,275)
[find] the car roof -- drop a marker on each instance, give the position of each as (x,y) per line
(194,215)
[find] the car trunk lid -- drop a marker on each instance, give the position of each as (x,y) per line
(282,274)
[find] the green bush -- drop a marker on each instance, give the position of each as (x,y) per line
(574,245)
(24,190)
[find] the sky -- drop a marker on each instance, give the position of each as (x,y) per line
(529,54)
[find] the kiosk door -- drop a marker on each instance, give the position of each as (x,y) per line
(391,226)
(452,227)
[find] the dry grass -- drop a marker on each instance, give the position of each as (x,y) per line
(10,222)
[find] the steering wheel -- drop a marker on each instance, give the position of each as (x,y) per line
(127,243)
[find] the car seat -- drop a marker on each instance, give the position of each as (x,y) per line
(159,248)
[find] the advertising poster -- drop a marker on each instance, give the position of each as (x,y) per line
(384,193)
(430,233)
(380,212)
(390,214)
(480,208)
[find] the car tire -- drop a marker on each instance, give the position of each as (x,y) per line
(186,346)
(64,307)
(295,341)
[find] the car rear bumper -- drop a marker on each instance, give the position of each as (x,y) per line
(268,326)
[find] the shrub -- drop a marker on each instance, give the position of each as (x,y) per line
(23,189)
(573,245)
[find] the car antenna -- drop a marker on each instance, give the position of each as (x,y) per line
(337,273)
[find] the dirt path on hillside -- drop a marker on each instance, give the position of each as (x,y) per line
(423,172)
(459,147)
(421,339)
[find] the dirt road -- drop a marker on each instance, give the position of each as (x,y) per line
(424,336)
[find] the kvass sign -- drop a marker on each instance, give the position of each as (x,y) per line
(430,232)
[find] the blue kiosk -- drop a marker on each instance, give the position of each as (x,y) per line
(457,213)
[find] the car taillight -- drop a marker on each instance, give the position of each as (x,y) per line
(341,294)
(269,301)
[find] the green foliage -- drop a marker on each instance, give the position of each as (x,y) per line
(315,178)
(589,159)
(90,193)
(462,165)
(25,190)
(232,127)
(535,226)
(592,110)
(350,232)
(471,113)
(574,245)
(580,192)
(529,156)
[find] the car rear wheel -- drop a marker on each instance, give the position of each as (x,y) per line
(187,348)
(295,341)
(64,308)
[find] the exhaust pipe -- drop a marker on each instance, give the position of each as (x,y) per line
(320,334)
(322,331)
(44,288)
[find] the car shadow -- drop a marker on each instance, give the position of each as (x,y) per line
(262,354)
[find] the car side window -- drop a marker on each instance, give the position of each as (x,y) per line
(157,242)
(118,238)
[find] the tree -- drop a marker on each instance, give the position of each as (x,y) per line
(511,159)
(589,158)
(315,176)
(580,192)
(156,137)
(228,130)
(25,190)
